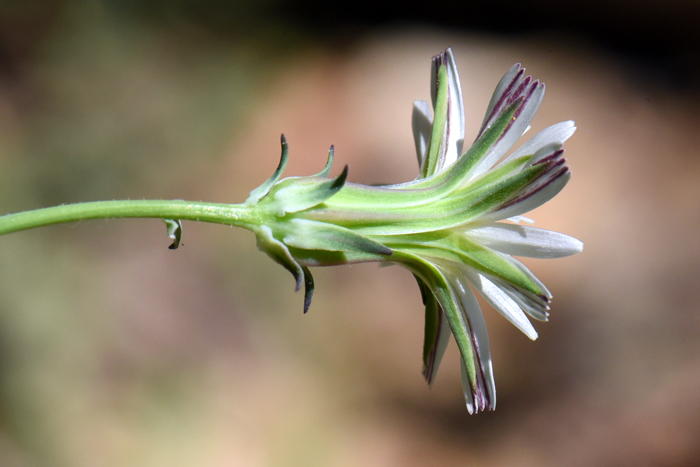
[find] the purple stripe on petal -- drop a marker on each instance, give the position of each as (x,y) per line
(438,60)
(481,397)
(553,166)
(506,98)
(538,188)
(550,158)
(521,106)
(530,91)
(520,103)
(521,88)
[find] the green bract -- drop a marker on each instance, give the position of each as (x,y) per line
(455,227)
(444,226)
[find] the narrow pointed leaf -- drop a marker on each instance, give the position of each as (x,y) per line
(313,235)
(298,194)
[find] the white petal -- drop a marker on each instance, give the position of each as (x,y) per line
(453,138)
(519,219)
(521,240)
(480,339)
(513,133)
(505,305)
(551,150)
(466,388)
(455,117)
(546,294)
(496,99)
(536,308)
(422,123)
(528,204)
(554,134)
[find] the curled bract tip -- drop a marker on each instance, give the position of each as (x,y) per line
(174,232)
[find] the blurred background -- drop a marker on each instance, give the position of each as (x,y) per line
(115,351)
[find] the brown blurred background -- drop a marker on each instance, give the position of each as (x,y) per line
(115,351)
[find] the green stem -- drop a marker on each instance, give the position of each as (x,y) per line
(230,214)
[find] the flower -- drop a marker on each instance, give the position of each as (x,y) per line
(455,227)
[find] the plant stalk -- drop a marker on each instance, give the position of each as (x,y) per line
(229,214)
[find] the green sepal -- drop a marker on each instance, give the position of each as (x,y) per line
(313,235)
(435,280)
(174,227)
(460,171)
(314,258)
(298,194)
(435,340)
(450,212)
(436,187)
(258,193)
(435,147)
(456,249)
(492,263)
(279,253)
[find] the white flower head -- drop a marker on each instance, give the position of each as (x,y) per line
(456,227)
(499,240)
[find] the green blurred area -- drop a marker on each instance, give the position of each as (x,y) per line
(115,351)
(108,100)
(114,104)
